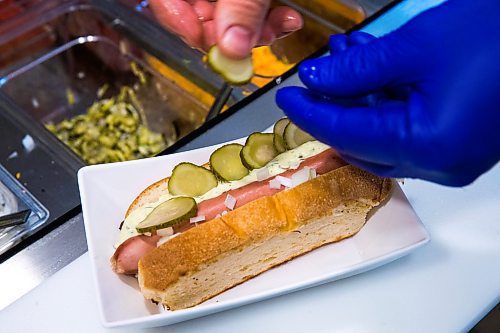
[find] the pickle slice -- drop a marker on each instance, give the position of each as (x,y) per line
(168,213)
(237,72)
(191,180)
(294,136)
(278,130)
(258,150)
(226,163)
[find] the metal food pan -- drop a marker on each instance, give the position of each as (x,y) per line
(78,47)
(14,198)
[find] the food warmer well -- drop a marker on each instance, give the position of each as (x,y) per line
(88,82)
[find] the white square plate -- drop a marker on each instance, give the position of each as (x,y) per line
(107,190)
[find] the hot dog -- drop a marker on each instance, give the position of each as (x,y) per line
(264,227)
(127,255)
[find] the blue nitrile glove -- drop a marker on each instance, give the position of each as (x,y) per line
(422,100)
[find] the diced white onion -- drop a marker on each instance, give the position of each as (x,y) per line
(262,174)
(230,202)
(197,219)
(294,164)
(300,176)
(223,213)
(217,216)
(287,182)
(165,231)
(161,308)
(164,239)
(274,184)
(313,173)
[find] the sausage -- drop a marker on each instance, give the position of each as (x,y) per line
(127,255)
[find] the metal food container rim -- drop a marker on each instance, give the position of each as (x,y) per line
(149,35)
(39,214)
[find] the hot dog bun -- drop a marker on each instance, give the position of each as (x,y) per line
(217,255)
(150,194)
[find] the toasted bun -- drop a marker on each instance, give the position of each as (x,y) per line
(151,194)
(217,255)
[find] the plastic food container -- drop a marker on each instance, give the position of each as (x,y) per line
(62,56)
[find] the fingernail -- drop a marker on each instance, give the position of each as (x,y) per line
(291,24)
(239,40)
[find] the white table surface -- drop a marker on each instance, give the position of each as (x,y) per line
(446,286)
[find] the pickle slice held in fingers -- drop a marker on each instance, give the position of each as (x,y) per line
(278,130)
(295,137)
(191,180)
(226,163)
(258,150)
(168,214)
(234,71)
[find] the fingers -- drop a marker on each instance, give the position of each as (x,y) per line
(341,42)
(360,37)
(378,169)
(280,22)
(244,24)
(337,43)
(203,9)
(382,139)
(239,24)
(209,34)
(411,171)
(376,134)
(235,25)
(181,18)
(358,66)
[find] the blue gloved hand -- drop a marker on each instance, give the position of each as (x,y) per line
(422,100)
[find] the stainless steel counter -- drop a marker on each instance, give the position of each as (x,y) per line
(31,266)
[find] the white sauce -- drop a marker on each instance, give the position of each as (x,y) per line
(284,161)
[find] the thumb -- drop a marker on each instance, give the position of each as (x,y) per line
(360,69)
(239,24)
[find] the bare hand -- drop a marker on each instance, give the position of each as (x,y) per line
(236,26)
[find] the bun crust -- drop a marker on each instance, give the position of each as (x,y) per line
(222,253)
(150,194)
